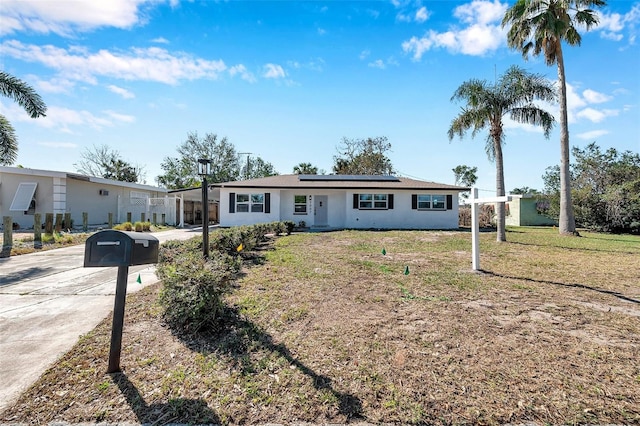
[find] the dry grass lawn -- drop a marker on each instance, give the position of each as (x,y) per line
(326,328)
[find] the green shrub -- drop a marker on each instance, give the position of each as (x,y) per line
(193,286)
(289,225)
(125,226)
(138,226)
(146,226)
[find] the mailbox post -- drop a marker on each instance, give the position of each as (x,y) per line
(121,249)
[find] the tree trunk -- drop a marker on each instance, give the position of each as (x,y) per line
(501,234)
(567,222)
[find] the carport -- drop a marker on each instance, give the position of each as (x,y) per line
(189,210)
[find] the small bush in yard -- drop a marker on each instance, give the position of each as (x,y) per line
(125,226)
(193,286)
(290,225)
(138,226)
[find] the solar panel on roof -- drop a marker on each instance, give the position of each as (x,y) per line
(352,178)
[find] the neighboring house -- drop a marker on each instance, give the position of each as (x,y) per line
(340,201)
(528,210)
(24,192)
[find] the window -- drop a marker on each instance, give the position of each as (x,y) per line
(242,203)
(23,199)
(437,201)
(373,201)
(257,203)
(424,202)
(431,202)
(300,204)
(249,203)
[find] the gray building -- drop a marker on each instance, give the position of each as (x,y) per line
(24,192)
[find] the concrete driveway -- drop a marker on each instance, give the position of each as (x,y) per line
(47,300)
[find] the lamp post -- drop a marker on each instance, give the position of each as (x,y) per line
(203,170)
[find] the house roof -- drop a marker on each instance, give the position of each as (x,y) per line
(339,182)
(57,174)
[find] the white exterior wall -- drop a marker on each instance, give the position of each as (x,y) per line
(43,195)
(402,216)
(248,218)
(341,213)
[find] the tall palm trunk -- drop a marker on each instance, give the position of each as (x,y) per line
(567,222)
(496,135)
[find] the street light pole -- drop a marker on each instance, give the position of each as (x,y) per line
(203,170)
(248,154)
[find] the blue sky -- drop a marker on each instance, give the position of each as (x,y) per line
(286,81)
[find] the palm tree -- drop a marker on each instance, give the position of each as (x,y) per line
(305,169)
(487,103)
(27,98)
(540,26)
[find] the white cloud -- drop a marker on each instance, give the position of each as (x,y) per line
(481,33)
(411,11)
(610,22)
(422,14)
(55,85)
(574,103)
(121,91)
(611,25)
(243,72)
(146,64)
(611,36)
(160,40)
(378,63)
(124,118)
(65,19)
(65,119)
(382,64)
(594,97)
(401,17)
(316,64)
(593,134)
(481,12)
(58,144)
(596,116)
(273,71)
(364,54)
(374,13)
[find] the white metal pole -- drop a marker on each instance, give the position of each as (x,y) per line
(181,210)
(475,231)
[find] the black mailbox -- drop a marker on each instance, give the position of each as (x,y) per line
(120,248)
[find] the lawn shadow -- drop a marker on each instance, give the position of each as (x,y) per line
(236,338)
(180,410)
(574,248)
(575,285)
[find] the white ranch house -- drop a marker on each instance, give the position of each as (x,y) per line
(340,202)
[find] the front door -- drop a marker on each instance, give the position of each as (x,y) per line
(320,210)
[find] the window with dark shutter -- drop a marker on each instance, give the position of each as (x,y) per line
(414,201)
(356,201)
(449,202)
(267,202)
(390,201)
(232,202)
